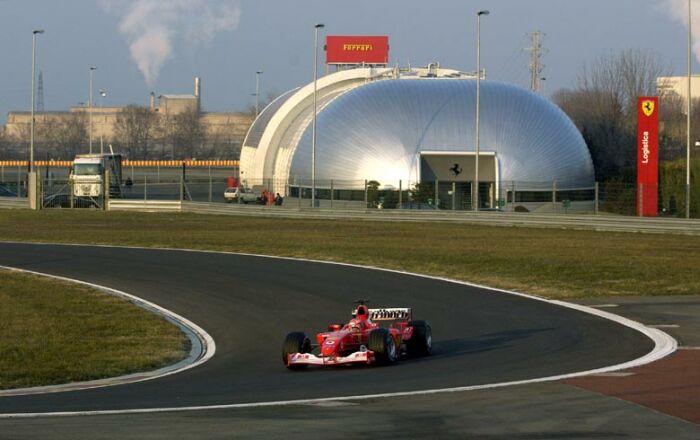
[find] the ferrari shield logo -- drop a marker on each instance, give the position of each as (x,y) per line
(648,108)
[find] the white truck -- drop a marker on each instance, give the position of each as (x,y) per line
(88,171)
(246,195)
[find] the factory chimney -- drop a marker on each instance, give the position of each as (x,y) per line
(153,101)
(198,92)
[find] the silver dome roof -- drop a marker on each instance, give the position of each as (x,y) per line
(376,131)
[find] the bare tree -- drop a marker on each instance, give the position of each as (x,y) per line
(17,143)
(63,138)
(604,106)
(135,131)
(185,133)
(216,141)
(264,102)
(7,147)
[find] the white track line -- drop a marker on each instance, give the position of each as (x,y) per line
(664,345)
(203,345)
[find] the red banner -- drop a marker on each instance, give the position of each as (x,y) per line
(357,49)
(647,155)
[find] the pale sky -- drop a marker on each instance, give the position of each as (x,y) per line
(226,41)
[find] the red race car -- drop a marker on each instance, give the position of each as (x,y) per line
(362,340)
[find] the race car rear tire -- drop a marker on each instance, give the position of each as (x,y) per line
(383,346)
(295,342)
(421,342)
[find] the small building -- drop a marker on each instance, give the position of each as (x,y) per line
(667,86)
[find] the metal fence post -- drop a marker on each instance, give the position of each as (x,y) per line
(145,187)
(105,192)
(332,191)
(435,200)
(554,195)
(39,191)
(366,194)
(2,173)
(454,190)
(210,184)
(71,198)
(182,186)
(400,194)
(595,203)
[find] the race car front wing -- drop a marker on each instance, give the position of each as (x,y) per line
(358,357)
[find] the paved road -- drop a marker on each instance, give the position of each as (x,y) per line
(248,303)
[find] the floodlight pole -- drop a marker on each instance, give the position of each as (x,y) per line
(31,130)
(687,168)
(92,71)
(257,92)
(313,128)
(475,198)
(103,93)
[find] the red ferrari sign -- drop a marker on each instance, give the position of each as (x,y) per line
(647,155)
(357,49)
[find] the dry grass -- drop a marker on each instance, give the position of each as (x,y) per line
(55,332)
(554,263)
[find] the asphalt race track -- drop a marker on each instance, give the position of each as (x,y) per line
(248,304)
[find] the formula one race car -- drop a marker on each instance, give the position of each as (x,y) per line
(362,340)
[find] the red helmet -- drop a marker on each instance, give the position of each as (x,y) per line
(362,312)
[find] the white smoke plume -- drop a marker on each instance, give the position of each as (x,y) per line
(154,27)
(679,11)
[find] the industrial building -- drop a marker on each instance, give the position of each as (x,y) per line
(226,128)
(669,86)
(400,127)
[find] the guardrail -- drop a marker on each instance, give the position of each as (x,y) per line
(145,205)
(586,222)
(14,203)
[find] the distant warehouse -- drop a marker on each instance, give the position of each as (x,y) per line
(216,135)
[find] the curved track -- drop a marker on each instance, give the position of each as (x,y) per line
(248,303)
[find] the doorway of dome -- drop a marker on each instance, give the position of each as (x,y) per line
(452,173)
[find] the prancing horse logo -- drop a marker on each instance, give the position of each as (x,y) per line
(648,108)
(456,169)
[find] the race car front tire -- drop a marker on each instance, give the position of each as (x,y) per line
(421,342)
(295,342)
(383,346)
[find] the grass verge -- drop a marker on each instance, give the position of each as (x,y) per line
(54,332)
(553,263)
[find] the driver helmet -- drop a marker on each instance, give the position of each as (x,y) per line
(362,312)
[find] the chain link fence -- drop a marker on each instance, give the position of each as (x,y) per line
(214,184)
(13,181)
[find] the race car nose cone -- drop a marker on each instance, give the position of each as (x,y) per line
(328,347)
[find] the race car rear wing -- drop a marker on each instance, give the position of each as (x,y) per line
(390,314)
